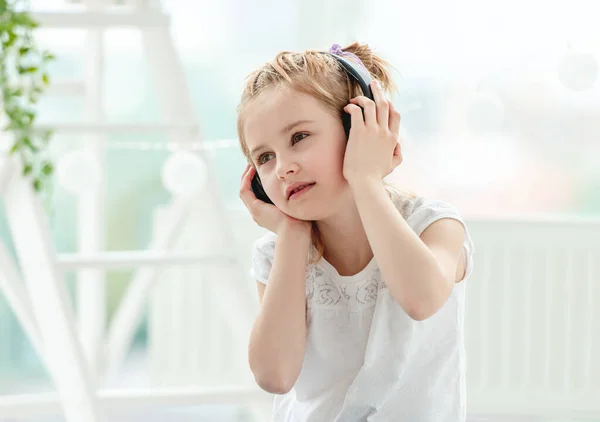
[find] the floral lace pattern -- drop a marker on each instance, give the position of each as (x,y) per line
(322,292)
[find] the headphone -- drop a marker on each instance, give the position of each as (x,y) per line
(355,71)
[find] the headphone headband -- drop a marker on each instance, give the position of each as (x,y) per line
(357,72)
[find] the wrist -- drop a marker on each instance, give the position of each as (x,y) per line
(296,228)
(295,237)
(360,182)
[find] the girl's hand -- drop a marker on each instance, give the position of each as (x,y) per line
(373,150)
(267,215)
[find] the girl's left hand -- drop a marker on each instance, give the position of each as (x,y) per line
(373,150)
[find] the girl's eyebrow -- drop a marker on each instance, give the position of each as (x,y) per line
(256,149)
(286,129)
(292,125)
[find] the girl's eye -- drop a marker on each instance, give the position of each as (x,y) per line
(298,137)
(263,159)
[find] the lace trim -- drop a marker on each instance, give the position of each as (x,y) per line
(322,292)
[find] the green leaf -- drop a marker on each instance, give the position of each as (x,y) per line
(23,19)
(15,125)
(12,37)
(47,168)
(30,115)
(29,144)
(27,69)
(22,81)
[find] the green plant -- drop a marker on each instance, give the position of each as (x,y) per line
(23,78)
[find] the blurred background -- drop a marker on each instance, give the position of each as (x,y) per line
(500,105)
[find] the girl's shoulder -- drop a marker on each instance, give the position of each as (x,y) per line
(419,211)
(266,242)
(263,253)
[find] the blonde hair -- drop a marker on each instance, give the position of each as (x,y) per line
(321,76)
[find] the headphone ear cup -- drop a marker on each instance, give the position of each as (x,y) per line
(346,121)
(257,188)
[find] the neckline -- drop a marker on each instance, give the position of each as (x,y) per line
(326,266)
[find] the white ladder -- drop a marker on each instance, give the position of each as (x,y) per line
(80,357)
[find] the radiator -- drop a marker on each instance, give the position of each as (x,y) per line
(533,318)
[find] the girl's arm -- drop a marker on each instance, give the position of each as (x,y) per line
(420,272)
(277,340)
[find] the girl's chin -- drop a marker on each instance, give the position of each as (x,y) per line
(314,211)
(304,215)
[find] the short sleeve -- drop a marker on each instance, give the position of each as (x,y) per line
(263,253)
(421,212)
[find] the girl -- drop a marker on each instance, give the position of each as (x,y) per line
(361,286)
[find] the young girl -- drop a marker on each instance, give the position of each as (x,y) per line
(361,287)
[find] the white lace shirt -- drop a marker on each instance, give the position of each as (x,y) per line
(366,359)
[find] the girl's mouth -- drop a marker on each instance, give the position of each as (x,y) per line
(300,191)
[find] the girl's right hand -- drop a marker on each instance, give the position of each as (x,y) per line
(267,215)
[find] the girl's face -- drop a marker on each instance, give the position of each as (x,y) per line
(293,139)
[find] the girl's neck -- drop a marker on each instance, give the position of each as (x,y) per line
(345,242)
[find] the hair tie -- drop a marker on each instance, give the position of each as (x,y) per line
(337,50)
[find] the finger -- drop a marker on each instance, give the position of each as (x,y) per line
(394,120)
(246,193)
(368,107)
(245,171)
(381,104)
(247,176)
(356,116)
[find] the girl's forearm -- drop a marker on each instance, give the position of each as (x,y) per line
(277,341)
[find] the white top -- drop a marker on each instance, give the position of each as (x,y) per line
(366,359)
